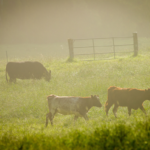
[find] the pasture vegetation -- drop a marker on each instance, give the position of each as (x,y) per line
(24,107)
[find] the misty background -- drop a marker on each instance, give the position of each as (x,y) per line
(55,21)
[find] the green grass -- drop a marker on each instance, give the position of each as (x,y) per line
(23,106)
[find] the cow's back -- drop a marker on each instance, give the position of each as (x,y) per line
(124,96)
(17,69)
(25,70)
(64,104)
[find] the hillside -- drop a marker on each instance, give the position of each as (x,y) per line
(24,106)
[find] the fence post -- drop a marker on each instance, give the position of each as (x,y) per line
(7,56)
(71,52)
(93,49)
(114,47)
(135,42)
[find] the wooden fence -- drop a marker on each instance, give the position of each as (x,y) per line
(72,47)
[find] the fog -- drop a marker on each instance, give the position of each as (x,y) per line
(42,22)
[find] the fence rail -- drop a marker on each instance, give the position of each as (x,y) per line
(93,46)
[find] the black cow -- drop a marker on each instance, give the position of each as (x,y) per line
(26,70)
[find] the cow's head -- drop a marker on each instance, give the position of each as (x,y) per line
(147,93)
(49,98)
(96,101)
(48,76)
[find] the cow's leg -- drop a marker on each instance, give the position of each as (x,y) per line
(12,80)
(129,111)
(142,108)
(115,110)
(85,117)
(52,114)
(75,118)
(47,116)
(107,107)
(51,119)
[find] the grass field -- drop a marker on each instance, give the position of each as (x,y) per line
(23,106)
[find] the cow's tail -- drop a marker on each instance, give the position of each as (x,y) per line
(6,76)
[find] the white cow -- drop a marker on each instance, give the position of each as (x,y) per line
(67,105)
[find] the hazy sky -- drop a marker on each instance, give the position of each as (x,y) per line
(36,21)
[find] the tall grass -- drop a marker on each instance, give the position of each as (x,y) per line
(24,106)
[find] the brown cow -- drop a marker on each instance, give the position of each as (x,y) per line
(79,106)
(126,97)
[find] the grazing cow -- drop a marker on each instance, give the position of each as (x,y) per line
(126,97)
(26,70)
(66,105)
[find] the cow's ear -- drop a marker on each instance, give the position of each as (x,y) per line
(50,97)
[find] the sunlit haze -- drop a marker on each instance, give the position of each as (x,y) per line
(46,21)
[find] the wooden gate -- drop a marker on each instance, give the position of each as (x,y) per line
(93,46)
